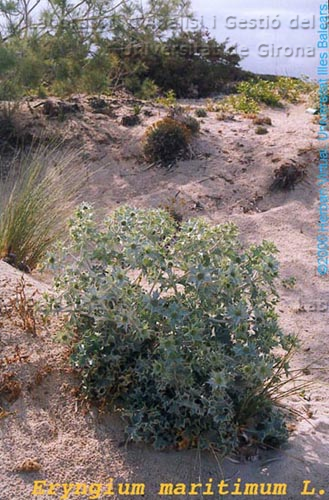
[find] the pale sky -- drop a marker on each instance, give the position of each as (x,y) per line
(216,12)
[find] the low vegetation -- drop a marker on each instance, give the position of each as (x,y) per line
(262,120)
(174,324)
(166,141)
(253,93)
(201,113)
(260,130)
(38,191)
(287,176)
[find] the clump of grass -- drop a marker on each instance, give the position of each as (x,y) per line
(289,283)
(201,113)
(166,141)
(262,120)
(294,89)
(287,176)
(223,116)
(37,194)
(242,103)
(261,130)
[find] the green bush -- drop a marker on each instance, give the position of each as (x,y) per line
(192,63)
(291,89)
(252,93)
(174,324)
(261,91)
(241,103)
(148,90)
(201,113)
(168,100)
(166,141)
(272,92)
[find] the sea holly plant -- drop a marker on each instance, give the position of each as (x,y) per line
(174,324)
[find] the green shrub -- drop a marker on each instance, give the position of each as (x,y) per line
(252,93)
(289,283)
(148,90)
(166,141)
(38,191)
(292,89)
(168,100)
(174,324)
(261,91)
(241,103)
(201,113)
(224,116)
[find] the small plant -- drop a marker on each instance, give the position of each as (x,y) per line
(10,387)
(11,134)
(224,116)
(37,195)
(289,283)
(168,100)
(292,89)
(218,106)
(166,141)
(260,91)
(148,90)
(262,120)
(130,120)
(24,307)
(201,113)
(252,93)
(250,116)
(261,130)
(242,104)
(137,109)
(175,207)
(174,323)
(211,106)
(287,176)
(98,103)
(18,356)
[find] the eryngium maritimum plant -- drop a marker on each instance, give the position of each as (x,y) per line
(174,325)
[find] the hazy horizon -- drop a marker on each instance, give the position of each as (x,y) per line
(215,13)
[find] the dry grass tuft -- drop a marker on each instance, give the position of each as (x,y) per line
(262,120)
(10,388)
(24,307)
(37,195)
